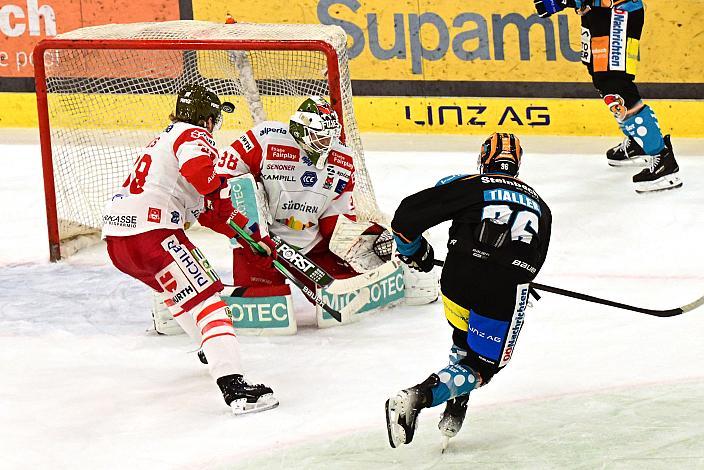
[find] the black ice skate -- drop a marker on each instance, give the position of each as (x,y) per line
(402,411)
(663,172)
(245,398)
(627,153)
(452,419)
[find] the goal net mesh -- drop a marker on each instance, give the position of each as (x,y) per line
(106,104)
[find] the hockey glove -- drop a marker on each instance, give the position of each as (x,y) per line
(264,241)
(547,8)
(218,210)
(422,259)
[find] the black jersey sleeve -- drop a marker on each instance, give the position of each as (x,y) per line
(425,209)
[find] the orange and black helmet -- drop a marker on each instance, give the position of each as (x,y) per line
(500,153)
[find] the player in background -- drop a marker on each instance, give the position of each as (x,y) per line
(497,244)
(306,178)
(611,32)
(173,183)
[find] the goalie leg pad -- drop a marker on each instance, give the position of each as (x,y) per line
(261,310)
(365,246)
(164,321)
(381,292)
(421,288)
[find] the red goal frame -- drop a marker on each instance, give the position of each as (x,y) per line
(333,78)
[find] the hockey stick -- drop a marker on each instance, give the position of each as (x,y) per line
(307,291)
(589,298)
(309,269)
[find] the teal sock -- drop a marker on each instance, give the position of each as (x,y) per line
(455,380)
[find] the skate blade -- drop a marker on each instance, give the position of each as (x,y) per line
(629,162)
(265,402)
(395,431)
(445,442)
(664,183)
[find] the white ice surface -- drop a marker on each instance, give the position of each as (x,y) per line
(82,386)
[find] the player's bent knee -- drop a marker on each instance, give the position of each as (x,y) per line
(189,279)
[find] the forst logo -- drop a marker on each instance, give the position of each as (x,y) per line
(296,259)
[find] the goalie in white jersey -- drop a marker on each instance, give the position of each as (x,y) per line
(174,183)
(307,177)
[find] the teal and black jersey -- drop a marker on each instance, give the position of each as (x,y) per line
(466,201)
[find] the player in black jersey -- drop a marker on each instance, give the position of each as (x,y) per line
(497,244)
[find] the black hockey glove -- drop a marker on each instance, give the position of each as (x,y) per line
(423,259)
(547,8)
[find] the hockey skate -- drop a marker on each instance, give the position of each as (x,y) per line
(402,411)
(662,174)
(452,419)
(201,357)
(244,398)
(627,153)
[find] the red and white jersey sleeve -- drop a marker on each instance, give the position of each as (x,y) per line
(303,200)
(243,156)
(165,188)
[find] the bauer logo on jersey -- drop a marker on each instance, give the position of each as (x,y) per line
(308,179)
(617,36)
(506,195)
(154,215)
(283,152)
(341,160)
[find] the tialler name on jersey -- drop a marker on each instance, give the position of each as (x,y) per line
(506,195)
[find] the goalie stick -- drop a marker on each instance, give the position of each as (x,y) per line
(309,269)
(589,298)
(307,291)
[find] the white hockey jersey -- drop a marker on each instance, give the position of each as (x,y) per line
(166,186)
(304,201)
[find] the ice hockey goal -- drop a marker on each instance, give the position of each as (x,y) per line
(104,91)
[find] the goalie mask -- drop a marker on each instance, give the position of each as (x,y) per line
(500,153)
(195,104)
(316,129)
